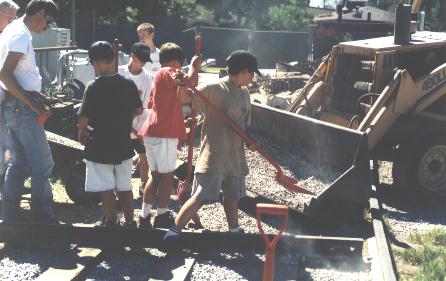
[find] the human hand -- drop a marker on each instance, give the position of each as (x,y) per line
(196,62)
(40,108)
(82,137)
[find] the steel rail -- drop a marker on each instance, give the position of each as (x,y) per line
(99,237)
(382,259)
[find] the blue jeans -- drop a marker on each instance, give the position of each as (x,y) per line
(31,156)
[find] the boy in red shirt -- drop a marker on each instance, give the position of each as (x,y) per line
(163,129)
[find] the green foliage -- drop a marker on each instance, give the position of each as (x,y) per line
(131,15)
(436,237)
(288,16)
(429,256)
(180,9)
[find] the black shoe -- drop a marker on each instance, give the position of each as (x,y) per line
(195,226)
(145,222)
(129,224)
(164,221)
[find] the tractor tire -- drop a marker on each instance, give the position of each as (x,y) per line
(419,169)
(74,180)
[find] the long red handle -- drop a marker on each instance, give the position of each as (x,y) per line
(190,151)
(198,44)
(287,182)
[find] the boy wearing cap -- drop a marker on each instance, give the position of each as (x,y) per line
(221,164)
(134,70)
(163,129)
(104,126)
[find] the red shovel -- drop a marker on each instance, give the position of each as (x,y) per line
(181,190)
(284,180)
(270,246)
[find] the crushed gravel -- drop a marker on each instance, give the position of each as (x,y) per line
(406,216)
(261,174)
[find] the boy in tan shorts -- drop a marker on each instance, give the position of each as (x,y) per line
(222,163)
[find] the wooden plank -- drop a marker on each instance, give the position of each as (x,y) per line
(172,268)
(86,259)
(98,237)
(382,260)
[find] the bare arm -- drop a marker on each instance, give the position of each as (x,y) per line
(82,124)
(194,69)
(8,78)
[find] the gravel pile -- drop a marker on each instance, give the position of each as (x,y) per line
(18,266)
(261,174)
(407,216)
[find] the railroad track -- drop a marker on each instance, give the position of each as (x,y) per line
(93,245)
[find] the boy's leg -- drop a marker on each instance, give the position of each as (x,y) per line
(188,211)
(126,201)
(204,188)
(143,168)
(123,179)
(108,200)
(231,211)
(100,178)
(164,189)
(233,188)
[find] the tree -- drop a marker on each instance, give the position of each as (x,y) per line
(180,9)
(288,16)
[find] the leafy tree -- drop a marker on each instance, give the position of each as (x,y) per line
(288,16)
(180,9)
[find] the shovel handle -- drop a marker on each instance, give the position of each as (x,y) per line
(270,246)
(273,210)
(198,44)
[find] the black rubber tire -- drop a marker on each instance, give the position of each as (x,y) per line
(74,181)
(414,161)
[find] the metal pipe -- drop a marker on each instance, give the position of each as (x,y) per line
(73,21)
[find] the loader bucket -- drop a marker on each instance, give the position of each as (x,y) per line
(323,145)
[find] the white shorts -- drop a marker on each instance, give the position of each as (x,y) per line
(102,177)
(161,154)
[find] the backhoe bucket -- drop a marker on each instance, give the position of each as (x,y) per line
(323,145)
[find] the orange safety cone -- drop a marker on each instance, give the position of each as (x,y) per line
(270,246)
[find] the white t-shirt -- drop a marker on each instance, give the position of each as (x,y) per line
(155,65)
(16,37)
(143,82)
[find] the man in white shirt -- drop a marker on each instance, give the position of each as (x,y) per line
(8,12)
(139,57)
(19,75)
(146,33)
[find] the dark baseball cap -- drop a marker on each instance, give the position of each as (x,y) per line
(100,50)
(240,60)
(141,51)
